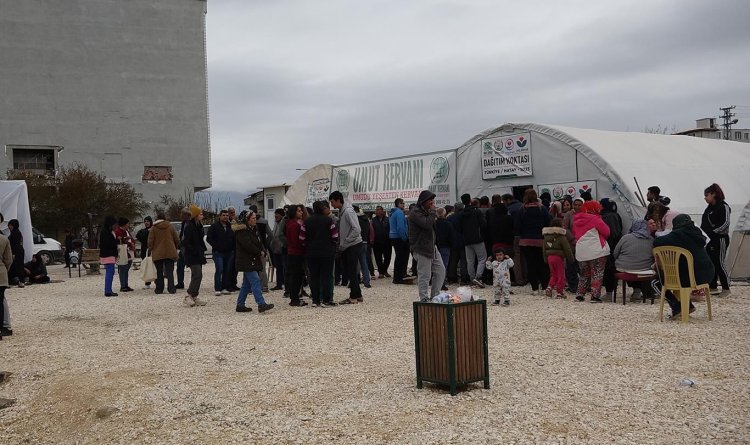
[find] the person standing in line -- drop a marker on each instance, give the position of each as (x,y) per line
(15,274)
(350,244)
(321,238)
(295,254)
(571,267)
(457,267)
(592,250)
(108,252)
(195,255)
(715,222)
(530,221)
(221,239)
(443,239)
(123,237)
(556,250)
(184,218)
(422,243)
(471,225)
(7,260)
(364,230)
(519,271)
(162,242)
(250,259)
(399,240)
(278,248)
(142,237)
(381,246)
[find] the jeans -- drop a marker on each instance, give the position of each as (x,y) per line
(321,279)
(230,272)
(278,263)
(401,248)
(221,262)
(2,306)
(6,312)
(350,259)
(382,257)
(196,276)
(123,272)
(476,254)
(363,265)
(164,268)
(109,276)
(181,269)
(250,281)
(429,267)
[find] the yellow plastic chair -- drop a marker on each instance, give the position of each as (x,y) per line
(668,260)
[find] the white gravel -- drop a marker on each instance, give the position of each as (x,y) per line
(141,368)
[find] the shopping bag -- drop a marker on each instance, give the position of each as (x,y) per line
(148,270)
(122,255)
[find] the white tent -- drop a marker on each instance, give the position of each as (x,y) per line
(14,204)
(562,158)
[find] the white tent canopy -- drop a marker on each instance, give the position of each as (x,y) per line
(14,204)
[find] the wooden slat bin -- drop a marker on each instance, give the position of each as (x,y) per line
(451,343)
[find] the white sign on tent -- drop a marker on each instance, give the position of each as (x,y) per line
(573,189)
(506,156)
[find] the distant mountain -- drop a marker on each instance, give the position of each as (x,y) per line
(221,199)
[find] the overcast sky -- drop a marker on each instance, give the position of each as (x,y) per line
(296,83)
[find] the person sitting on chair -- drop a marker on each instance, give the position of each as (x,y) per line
(686,235)
(36,271)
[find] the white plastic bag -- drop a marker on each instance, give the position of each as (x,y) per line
(148,270)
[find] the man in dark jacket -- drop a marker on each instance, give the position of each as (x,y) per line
(422,243)
(381,246)
(458,252)
(471,224)
(519,271)
(221,239)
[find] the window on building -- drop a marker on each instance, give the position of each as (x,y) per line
(270,204)
(737,135)
(38,160)
(747,136)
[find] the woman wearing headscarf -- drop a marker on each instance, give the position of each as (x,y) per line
(715,223)
(295,253)
(195,255)
(15,274)
(592,250)
(108,252)
(686,235)
(634,252)
(6,257)
(142,237)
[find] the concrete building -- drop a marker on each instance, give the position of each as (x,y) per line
(706,128)
(117,86)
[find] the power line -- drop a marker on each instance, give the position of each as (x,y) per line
(728,121)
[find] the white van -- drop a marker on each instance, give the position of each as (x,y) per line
(48,249)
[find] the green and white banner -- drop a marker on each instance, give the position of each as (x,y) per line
(506,156)
(370,184)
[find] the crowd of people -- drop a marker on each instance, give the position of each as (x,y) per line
(574,245)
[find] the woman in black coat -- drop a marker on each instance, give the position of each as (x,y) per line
(108,252)
(715,223)
(15,274)
(195,255)
(321,236)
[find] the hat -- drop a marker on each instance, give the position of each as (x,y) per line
(578,199)
(195,211)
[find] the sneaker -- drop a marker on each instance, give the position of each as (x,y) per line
(496,303)
(506,303)
(180,286)
(126,289)
(189,301)
(580,298)
(217,293)
(6,332)
(111,294)
(224,292)
(147,286)
(596,300)
(368,285)
(21,285)
(243,309)
(725,293)
(478,283)
(265,307)
(330,303)
(548,292)
(316,305)
(276,288)
(298,303)
(715,291)
(387,275)
(199,302)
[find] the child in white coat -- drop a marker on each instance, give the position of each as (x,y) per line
(500,276)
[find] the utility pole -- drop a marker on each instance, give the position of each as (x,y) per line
(728,121)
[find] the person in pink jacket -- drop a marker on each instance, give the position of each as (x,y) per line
(592,250)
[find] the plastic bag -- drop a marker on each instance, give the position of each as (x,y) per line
(148,270)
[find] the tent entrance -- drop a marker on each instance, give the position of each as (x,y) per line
(519,190)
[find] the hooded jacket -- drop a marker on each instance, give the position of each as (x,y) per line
(686,235)
(556,243)
(471,223)
(397,223)
(591,236)
(248,247)
(163,241)
(422,226)
(192,242)
(349,231)
(715,220)
(500,225)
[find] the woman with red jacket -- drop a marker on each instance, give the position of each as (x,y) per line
(295,239)
(592,250)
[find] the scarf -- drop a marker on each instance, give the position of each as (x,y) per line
(639,229)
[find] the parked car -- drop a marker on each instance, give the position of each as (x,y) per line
(48,249)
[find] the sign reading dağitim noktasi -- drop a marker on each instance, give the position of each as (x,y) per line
(379,183)
(506,156)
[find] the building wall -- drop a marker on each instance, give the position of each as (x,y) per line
(121,85)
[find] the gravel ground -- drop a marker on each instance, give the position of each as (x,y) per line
(141,368)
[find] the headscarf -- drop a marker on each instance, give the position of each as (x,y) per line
(608,205)
(639,229)
(592,207)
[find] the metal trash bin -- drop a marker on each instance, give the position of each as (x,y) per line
(450,342)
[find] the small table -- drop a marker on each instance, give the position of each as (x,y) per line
(625,277)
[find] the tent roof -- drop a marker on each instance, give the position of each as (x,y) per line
(682,166)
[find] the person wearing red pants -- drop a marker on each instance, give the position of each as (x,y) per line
(556,249)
